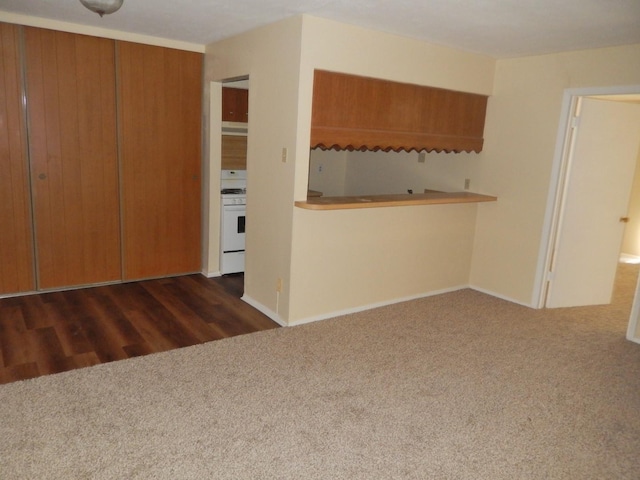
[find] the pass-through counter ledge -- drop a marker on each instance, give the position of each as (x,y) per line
(430,197)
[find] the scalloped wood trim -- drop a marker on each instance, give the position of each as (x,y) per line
(327,138)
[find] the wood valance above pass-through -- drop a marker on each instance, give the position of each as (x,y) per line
(360,113)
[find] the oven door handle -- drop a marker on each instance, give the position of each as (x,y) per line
(235,208)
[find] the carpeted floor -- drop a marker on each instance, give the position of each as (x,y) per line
(456,386)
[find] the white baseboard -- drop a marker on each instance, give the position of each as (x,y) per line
(628,258)
(633,339)
(337,313)
(263,309)
(211,274)
(362,308)
(501,297)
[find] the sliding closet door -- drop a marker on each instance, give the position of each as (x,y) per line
(16,246)
(74,170)
(160,93)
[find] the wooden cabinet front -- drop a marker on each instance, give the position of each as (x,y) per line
(234,152)
(73,150)
(160,130)
(235,105)
(353,112)
(16,246)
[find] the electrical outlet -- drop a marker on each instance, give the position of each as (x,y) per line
(467,183)
(422,156)
(284,154)
(319,168)
(279,285)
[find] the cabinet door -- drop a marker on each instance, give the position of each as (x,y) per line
(74,171)
(16,245)
(361,113)
(235,105)
(234,152)
(160,102)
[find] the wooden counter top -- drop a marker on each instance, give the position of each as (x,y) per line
(373,201)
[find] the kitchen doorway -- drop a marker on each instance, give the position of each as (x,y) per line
(234,134)
(212,173)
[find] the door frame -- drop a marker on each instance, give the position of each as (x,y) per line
(557,187)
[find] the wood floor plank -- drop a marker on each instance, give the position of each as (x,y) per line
(219,316)
(83,360)
(71,337)
(152,320)
(35,313)
(183,314)
(14,339)
(101,306)
(23,371)
(233,284)
(74,307)
(154,335)
(59,331)
(139,349)
(68,328)
(104,345)
(234,315)
(47,350)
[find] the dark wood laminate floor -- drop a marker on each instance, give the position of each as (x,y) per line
(54,332)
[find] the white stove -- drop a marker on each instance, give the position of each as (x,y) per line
(233,193)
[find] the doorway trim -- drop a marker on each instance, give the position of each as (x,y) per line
(558,184)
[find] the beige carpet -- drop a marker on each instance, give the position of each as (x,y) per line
(457,386)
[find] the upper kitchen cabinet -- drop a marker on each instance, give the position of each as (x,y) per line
(234,152)
(71,104)
(235,105)
(16,246)
(359,113)
(160,106)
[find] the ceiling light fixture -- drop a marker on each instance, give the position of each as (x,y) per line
(102,6)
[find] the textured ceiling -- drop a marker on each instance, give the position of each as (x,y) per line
(499,28)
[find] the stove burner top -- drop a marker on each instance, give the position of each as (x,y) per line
(233,191)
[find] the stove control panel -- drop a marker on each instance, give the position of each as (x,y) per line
(234,200)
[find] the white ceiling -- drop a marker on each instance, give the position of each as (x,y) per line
(499,28)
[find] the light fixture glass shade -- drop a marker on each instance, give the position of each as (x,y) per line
(102,6)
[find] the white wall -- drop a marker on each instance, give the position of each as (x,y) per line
(362,258)
(378,173)
(311,251)
(351,259)
(334,261)
(516,163)
(270,56)
(328,172)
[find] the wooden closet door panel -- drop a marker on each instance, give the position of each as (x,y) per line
(160,92)
(16,241)
(73,146)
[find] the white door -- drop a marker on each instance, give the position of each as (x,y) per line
(596,198)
